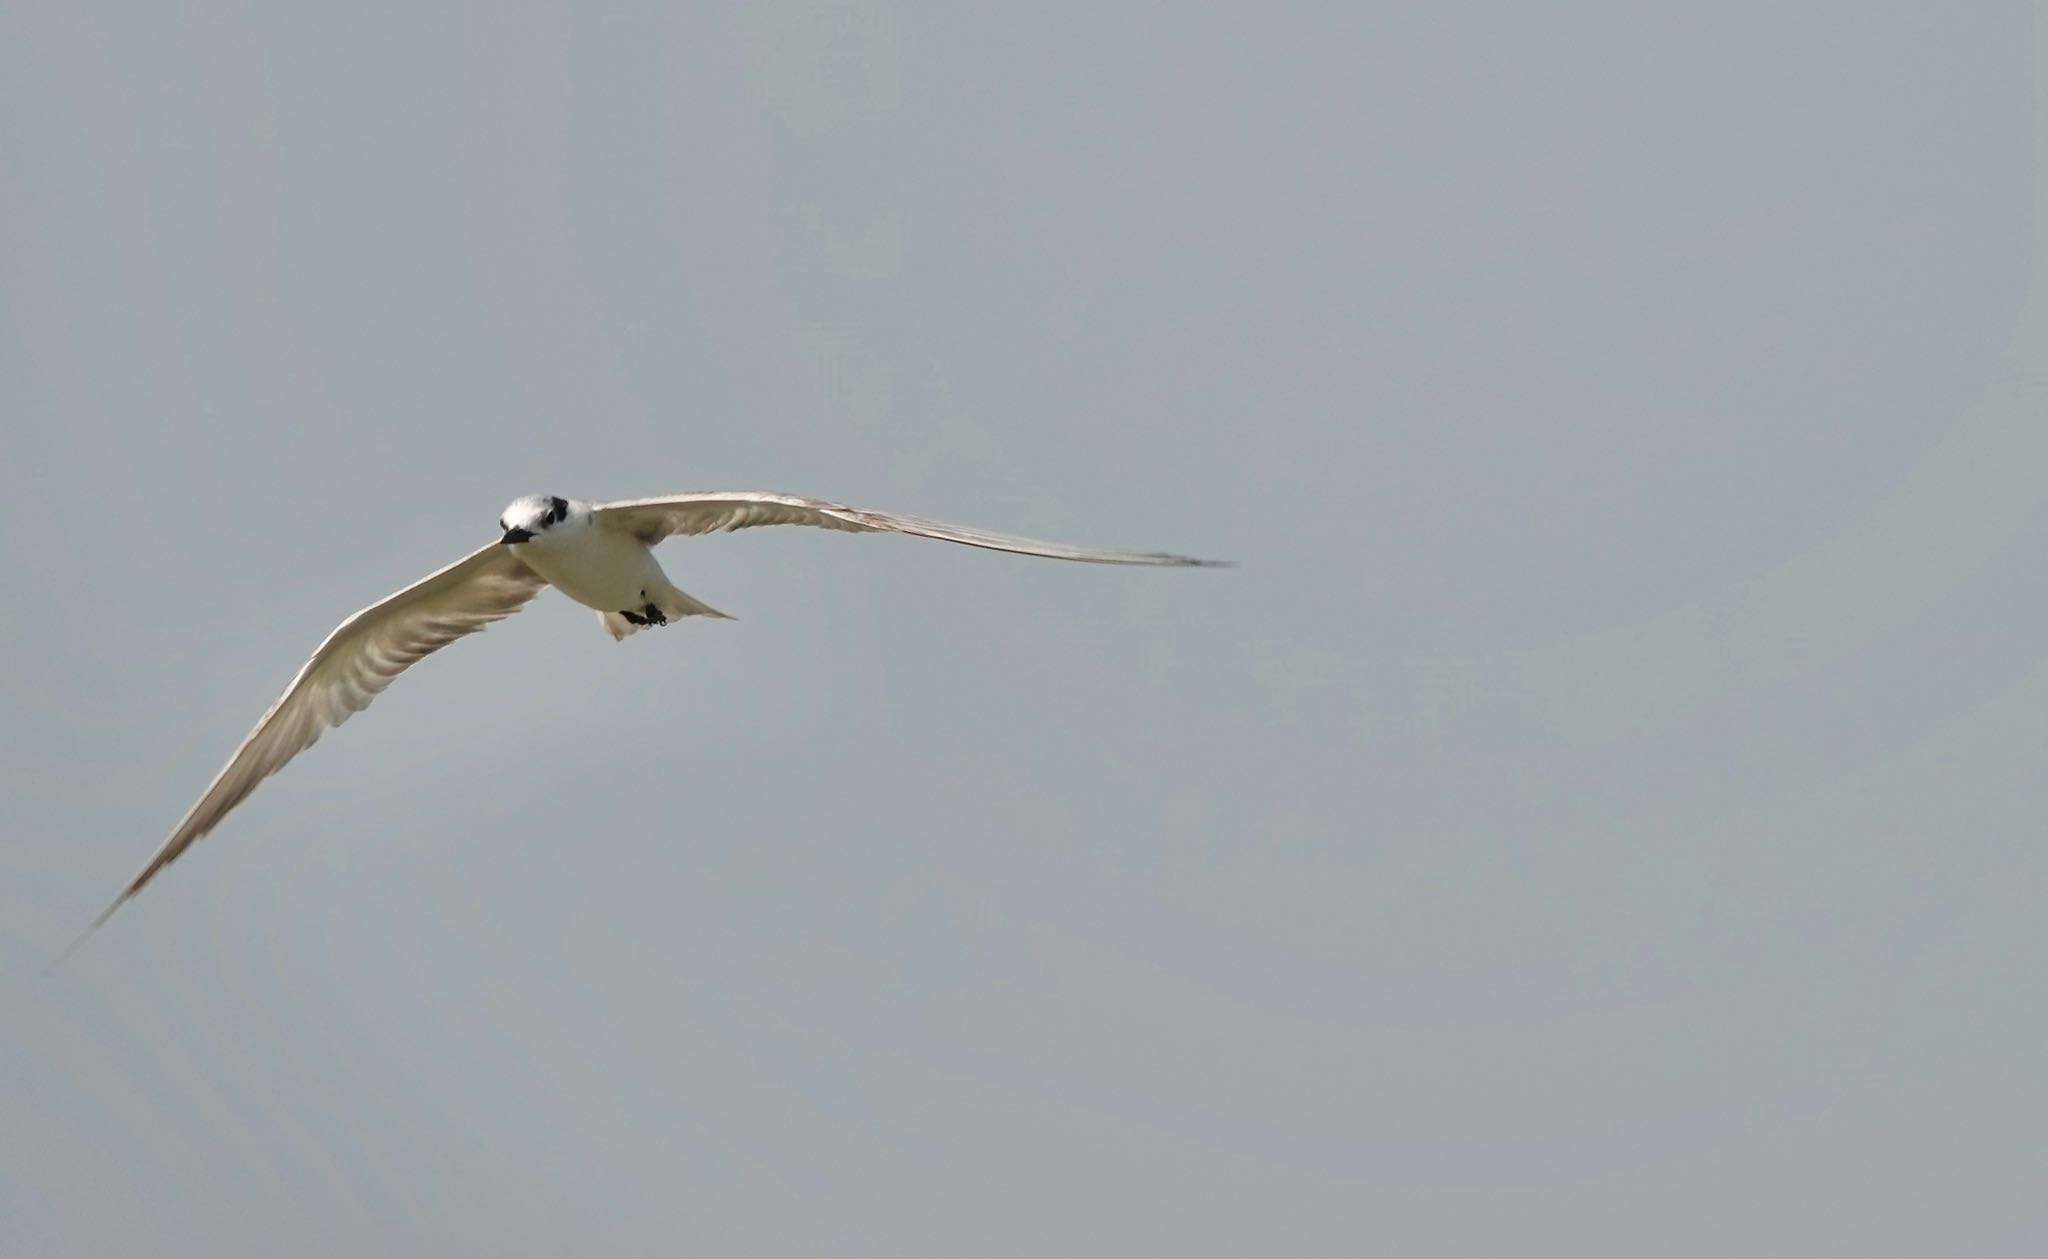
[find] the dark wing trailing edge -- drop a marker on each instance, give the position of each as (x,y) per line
(652,519)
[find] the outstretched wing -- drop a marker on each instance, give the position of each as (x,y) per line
(350,669)
(652,519)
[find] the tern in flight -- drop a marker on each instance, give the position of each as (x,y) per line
(599,554)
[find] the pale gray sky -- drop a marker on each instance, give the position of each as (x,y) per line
(1604,816)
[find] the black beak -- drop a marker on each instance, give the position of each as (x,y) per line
(516,535)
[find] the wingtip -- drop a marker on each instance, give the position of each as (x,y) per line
(86,934)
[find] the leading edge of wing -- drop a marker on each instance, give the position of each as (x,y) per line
(350,668)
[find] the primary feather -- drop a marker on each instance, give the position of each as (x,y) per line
(652,519)
(356,662)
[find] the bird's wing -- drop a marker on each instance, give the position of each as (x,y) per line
(652,519)
(350,669)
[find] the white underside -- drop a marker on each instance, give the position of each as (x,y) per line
(596,567)
(609,571)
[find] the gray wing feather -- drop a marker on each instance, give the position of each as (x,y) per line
(351,668)
(652,519)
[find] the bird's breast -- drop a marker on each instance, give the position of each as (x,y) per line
(596,567)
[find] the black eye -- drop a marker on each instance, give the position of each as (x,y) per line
(557,509)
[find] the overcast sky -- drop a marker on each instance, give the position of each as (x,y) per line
(1605,815)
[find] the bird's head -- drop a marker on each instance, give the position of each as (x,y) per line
(525,519)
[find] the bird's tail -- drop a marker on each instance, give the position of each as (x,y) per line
(673,604)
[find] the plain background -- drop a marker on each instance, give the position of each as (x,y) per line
(1604,815)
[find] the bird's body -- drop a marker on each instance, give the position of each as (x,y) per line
(598,568)
(600,555)
(606,569)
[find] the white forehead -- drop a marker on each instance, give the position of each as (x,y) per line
(525,508)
